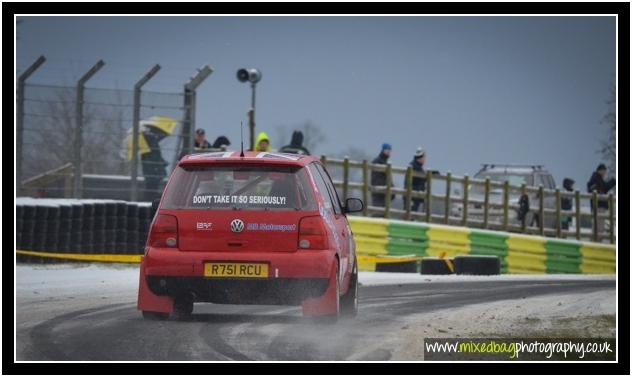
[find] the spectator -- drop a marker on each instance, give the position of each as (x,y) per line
(262,144)
(378,178)
(200,140)
(598,184)
(418,183)
(221,142)
(567,202)
(296,145)
(153,164)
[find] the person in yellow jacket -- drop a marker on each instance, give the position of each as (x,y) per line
(262,144)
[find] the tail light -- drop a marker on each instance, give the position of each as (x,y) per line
(312,233)
(164,232)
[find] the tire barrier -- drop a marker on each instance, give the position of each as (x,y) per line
(516,253)
(81,228)
(436,266)
(477,265)
(108,227)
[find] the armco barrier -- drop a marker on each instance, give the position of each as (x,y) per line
(394,240)
(109,230)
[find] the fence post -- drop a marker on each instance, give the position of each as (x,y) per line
(345,179)
(409,190)
(20,119)
(595,216)
(578,216)
(365,187)
(541,209)
(558,214)
(77,186)
(323,160)
(486,203)
(466,194)
(448,188)
(428,202)
(188,123)
(523,225)
(506,205)
(387,199)
(136,128)
(611,209)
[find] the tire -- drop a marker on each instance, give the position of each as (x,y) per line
(397,267)
(155,316)
(477,265)
(435,266)
(182,308)
(349,302)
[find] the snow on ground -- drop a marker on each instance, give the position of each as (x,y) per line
(66,278)
(389,278)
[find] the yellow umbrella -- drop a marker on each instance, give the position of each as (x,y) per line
(164,124)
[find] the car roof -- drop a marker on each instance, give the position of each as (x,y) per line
(250,157)
(513,169)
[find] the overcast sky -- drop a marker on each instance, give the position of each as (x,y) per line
(468,89)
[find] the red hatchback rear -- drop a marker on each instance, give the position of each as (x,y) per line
(266,228)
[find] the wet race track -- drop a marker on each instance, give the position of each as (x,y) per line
(117,331)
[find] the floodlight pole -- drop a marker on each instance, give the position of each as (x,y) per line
(136,128)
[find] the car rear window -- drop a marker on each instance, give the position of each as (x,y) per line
(239,187)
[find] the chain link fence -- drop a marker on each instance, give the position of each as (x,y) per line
(49,141)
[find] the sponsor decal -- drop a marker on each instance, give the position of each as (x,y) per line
(265,227)
(203,226)
(239,199)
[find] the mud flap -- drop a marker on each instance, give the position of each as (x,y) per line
(328,303)
(147,301)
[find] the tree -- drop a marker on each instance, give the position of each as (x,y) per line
(609,146)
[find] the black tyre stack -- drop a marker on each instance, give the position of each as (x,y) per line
(27,240)
(51,242)
(76,227)
(65,227)
(144,216)
(132,228)
(99,227)
(121,228)
(41,228)
(87,231)
(110,227)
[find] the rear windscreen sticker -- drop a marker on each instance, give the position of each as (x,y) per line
(239,199)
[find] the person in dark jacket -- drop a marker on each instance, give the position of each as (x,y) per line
(567,201)
(378,178)
(598,184)
(221,142)
(296,145)
(153,164)
(418,183)
(200,140)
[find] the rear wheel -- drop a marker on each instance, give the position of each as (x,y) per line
(349,302)
(155,316)
(182,307)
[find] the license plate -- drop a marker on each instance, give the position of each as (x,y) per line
(241,270)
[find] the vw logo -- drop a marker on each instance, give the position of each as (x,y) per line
(237,226)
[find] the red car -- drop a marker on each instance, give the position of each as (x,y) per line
(266,228)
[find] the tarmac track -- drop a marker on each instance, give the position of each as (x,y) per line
(117,331)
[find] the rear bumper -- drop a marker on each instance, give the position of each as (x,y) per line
(239,291)
(293,276)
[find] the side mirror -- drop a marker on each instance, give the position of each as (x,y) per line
(353,205)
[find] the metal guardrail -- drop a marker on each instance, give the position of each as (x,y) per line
(452,203)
